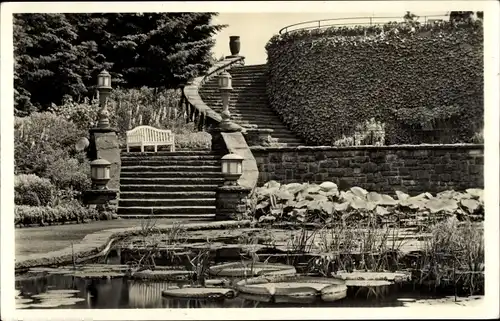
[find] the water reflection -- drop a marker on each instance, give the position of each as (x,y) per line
(123,293)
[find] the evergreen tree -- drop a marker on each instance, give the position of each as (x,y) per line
(59,55)
(44,58)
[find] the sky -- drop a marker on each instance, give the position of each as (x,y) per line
(255,29)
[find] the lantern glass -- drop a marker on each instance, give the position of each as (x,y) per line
(104,79)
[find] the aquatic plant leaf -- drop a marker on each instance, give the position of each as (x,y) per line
(302,203)
(374,197)
(327,207)
(313,189)
(205,292)
(471,204)
(272,184)
(294,188)
(359,192)
(358,203)
(319,198)
(328,186)
(341,207)
(438,205)
(387,200)
(402,196)
(292,287)
(475,192)
(262,205)
(381,210)
(267,218)
(284,195)
(347,196)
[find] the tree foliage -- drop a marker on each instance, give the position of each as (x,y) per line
(61,54)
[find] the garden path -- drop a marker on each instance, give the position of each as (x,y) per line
(51,238)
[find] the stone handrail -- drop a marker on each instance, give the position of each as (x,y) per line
(196,108)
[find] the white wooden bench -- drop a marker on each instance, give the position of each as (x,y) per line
(150,136)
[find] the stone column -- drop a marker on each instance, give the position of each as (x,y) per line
(104,144)
(231,202)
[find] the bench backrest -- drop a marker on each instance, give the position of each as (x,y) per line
(149,134)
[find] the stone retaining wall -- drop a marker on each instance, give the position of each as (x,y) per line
(409,168)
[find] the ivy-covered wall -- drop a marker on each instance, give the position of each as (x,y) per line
(424,82)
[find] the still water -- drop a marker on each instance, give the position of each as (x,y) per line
(122,293)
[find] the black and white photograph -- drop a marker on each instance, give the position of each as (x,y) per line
(166,160)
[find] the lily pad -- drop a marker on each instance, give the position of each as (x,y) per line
(200,293)
(162,275)
(54,303)
(285,288)
(371,277)
(49,296)
(216,282)
(96,274)
(242,269)
(367,283)
(23,301)
(63,291)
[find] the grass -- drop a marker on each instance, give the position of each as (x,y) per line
(454,255)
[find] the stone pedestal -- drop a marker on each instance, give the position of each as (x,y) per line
(258,137)
(230,202)
(104,144)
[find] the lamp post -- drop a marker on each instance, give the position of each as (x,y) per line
(225,86)
(232,168)
(104,88)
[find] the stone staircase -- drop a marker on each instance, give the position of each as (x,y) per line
(169,184)
(248,102)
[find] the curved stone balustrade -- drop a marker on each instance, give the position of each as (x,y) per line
(196,109)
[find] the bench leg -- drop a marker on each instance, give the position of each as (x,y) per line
(128,149)
(142,148)
(156,148)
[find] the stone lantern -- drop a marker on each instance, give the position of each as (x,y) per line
(104,88)
(100,173)
(232,168)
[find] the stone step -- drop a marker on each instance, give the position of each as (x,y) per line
(194,217)
(166,153)
(170,181)
(153,156)
(167,195)
(238,91)
(168,188)
(176,210)
(166,202)
(169,162)
(176,168)
(171,174)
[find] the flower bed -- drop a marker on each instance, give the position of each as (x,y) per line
(25,215)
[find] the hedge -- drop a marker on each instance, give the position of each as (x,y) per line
(25,215)
(425,82)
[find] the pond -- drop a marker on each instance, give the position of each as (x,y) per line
(72,292)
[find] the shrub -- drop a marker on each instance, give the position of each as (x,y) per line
(45,215)
(324,83)
(32,190)
(41,139)
(199,140)
(70,173)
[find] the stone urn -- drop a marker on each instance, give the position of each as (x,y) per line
(234,45)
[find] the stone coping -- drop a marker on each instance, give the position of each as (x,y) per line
(100,242)
(191,90)
(257,149)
